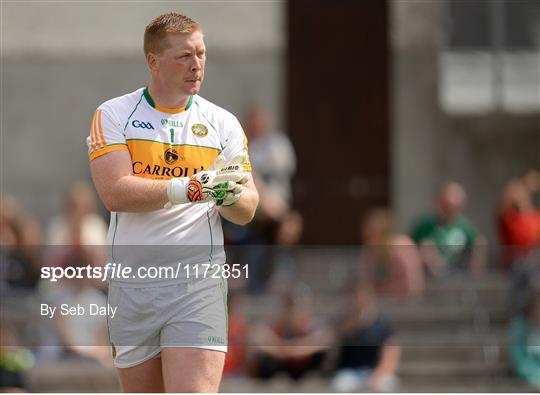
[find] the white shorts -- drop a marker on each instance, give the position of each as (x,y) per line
(192,314)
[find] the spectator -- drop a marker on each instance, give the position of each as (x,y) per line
(79,224)
(77,238)
(518,221)
(525,343)
(525,281)
(274,163)
(447,239)
(271,153)
(79,234)
(368,358)
(20,237)
(294,343)
(391,261)
(81,335)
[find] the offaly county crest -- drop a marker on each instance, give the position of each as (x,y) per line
(199,130)
(171,156)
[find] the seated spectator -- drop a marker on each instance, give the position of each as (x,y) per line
(77,238)
(82,335)
(448,241)
(525,344)
(391,262)
(525,280)
(20,237)
(294,343)
(518,222)
(79,224)
(368,358)
(78,235)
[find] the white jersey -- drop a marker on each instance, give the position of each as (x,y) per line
(165,143)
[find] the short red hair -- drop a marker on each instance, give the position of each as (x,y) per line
(169,23)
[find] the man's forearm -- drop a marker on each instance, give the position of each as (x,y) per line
(242,212)
(135,194)
(120,190)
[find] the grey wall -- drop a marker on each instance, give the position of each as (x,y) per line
(61,60)
(429,145)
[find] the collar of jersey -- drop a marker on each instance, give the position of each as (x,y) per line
(164,109)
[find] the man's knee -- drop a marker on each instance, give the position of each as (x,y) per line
(192,370)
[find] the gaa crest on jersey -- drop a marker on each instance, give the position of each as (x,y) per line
(199,130)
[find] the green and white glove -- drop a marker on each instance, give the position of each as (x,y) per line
(234,166)
(222,183)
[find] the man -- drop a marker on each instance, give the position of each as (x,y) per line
(274,162)
(152,149)
(447,239)
(368,354)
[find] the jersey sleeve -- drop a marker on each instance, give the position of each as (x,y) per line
(236,143)
(105,135)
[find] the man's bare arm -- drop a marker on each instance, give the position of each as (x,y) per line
(120,191)
(242,212)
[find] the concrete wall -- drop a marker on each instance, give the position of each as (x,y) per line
(429,145)
(61,60)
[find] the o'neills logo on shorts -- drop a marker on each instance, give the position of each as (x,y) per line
(216,339)
(141,169)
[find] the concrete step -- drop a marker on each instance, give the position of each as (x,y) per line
(278,384)
(504,384)
(454,369)
(403,315)
(72,376)
(318,385)
(455,353)
(451,339)
(424,315)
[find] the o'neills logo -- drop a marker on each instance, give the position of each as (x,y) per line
(172,122)
(171,156)
(139,168)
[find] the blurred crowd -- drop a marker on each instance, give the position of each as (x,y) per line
(355,349)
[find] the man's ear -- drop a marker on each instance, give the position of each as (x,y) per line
(153,61)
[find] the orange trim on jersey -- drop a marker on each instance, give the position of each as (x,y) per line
(93,133)
(105,150)
(170,110)
(103,142)
(96,129)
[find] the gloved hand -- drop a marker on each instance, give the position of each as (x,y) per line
(235,166)
(221,184)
